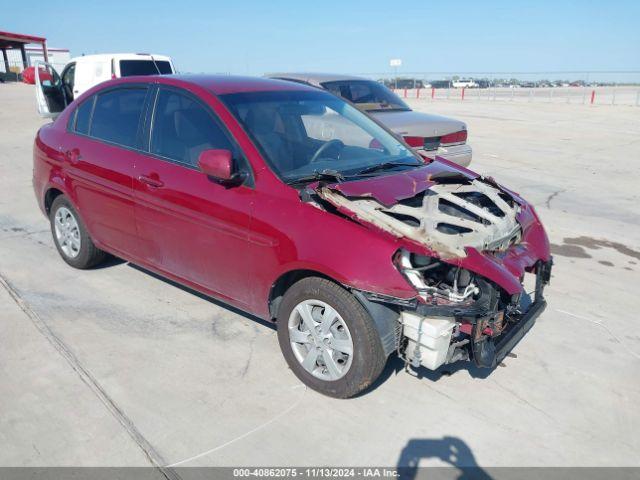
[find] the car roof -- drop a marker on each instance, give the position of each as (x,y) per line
(314,78)
(218,84)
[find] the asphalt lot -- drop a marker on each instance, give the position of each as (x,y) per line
(115,367)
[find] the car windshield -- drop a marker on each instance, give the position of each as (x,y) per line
(311,134)
(366,94)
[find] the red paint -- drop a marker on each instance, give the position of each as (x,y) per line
(405,93)
(593,96)
(462,94)
(466,328)
(29,75)
(433,92)
(418,93)
(216,163)
(235,242)
(388,189)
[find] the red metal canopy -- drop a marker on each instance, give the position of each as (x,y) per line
(9,40)
(20,38)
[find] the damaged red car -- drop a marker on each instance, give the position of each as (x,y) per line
(287,202)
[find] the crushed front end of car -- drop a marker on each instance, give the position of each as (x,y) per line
(475,253)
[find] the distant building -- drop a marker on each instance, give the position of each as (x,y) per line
(58,57)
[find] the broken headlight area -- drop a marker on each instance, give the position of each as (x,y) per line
(460,315)
(436,282)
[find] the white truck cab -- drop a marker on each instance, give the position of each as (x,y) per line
(82,73)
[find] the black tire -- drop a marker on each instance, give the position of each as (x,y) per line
(88,255)
(368,358)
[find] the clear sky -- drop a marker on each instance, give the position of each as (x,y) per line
(246,36)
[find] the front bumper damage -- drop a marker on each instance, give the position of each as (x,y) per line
(484,333)
(494,336)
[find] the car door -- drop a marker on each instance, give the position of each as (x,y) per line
(68,81)
(50,95)
(100,153)
(189,225)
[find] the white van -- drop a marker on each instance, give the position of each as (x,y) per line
(82,73)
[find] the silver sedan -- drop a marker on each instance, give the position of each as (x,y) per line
(432,135)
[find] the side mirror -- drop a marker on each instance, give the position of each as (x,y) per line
(218,164)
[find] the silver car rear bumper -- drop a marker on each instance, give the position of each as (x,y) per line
(460,154)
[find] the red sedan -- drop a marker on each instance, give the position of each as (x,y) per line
(289,203)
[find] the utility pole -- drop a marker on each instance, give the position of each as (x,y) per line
(395,63)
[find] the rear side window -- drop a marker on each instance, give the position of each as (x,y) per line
(183,128)
(116,115)
(83,115)
(143,67)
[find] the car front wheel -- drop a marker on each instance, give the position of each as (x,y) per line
(328,338)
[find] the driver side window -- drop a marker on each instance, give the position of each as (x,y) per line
(182,129)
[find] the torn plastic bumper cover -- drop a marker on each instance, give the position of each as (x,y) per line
(434,335)
(491,344)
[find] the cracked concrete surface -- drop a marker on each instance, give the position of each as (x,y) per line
(206,385)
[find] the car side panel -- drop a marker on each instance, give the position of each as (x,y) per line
(194,227)
(288,234)
(96,179)
(101,181)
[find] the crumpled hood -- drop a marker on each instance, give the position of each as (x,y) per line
(447,211)
(419,124)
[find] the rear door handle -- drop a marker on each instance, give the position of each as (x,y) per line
(152,182)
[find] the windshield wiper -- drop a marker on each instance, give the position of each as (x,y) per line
(326,174)
(385,166)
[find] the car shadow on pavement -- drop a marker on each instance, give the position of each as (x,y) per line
(448,450)
(209,299)
(110,261)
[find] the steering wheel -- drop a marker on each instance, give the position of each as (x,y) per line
(331,143)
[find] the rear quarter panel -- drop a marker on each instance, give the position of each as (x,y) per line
(48,162)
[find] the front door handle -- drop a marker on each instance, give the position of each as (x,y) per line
(151,181)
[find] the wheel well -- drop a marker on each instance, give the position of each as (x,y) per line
(282,284)
(49,197)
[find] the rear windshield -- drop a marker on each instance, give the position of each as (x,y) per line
(367,95)
(129,68)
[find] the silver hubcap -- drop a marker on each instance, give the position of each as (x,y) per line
(67,232)
(320,340)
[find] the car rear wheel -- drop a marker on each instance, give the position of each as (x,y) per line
(71,237)
(328,339)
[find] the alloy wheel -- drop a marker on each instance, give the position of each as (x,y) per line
(320,340)
(67,232)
